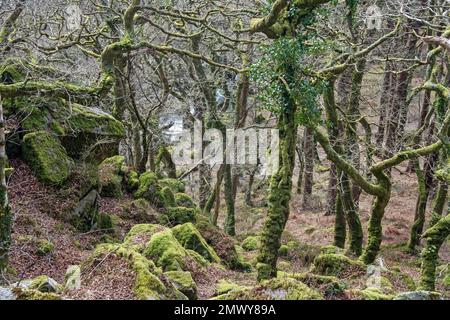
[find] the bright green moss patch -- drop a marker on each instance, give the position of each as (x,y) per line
(370,294)
(190,238)
(274,289)
(175,185)
(184,283)
(181,215)
(183,200)
(225,286)
(329,286)
(251,243)
(149,189)
(337,265)
(44,247)
(47,157)
(166,251)
(138,237)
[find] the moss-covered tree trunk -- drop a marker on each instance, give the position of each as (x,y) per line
(421,206)
(280,187)
(5,211)
(308,172)
(434,237)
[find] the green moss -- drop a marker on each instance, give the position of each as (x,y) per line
(35,295)
(175,185)
(224,286)
(44,247)
(223,245)
(149,189)
(43,284)
(183,200)
(251,243)
(284,266)
(283,251)
(371,294)
(166,251)
(199,260)
(184,283)
(138,237)
(337,265)
(168,196)
(190,238)
(275,289)
(47,158)
(110,178)
(147,285)
(132,180)
(181,215)
(329,286)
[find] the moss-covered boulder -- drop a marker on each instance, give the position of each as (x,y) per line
(183,200)
(337,265)
(274,289)
(138,237)
(223,245)
(110,177)
(168,196)
(150,283)
(164,249)
(85,132)
(225,286)
(47,158)
(180,215)
(182,280)
(190,238)
(251,243)
(150,190)
(45,284)
(175,185)
(131,180)
(329,286)
(368,294)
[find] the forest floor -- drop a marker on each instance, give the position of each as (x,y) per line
(34,226)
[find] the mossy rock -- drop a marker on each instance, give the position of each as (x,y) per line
(329,286)
(45,284)
(175,185)
(150,190)
(224,287)
(47,157)
(184,283)
(80,127)
(131,180)
(183,200)
(275,289)
(419,295)
(283,251)
(369,294)
(337,265)
(44,247)
(223,245)
(138,237)
(149,284)
(251,243)
(110,177)
(166,251)
(29,294)
(181,215)
(190,238)
(169,197)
